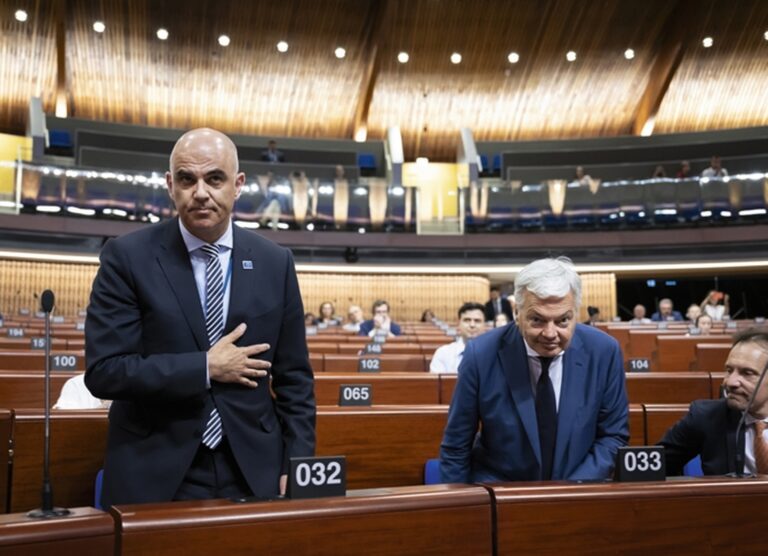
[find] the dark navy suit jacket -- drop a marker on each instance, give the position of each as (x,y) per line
(146,347)
(492,433)
(367,326)
(709,431)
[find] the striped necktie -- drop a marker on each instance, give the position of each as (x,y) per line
(761,449)
(214,325)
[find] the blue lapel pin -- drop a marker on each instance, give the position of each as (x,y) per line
(247,265)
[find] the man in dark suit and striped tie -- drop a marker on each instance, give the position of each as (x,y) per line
(189,323)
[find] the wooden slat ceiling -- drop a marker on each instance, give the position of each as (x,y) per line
(127,75)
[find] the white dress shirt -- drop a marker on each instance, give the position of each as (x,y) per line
(75,395)
(555,371)
(447,358)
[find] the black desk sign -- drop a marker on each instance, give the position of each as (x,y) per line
(373,348)
(641,463)
(39,314)
(80,326)
(15,332)
(730,325)
(57,319)
(355,394)
(379,338)
(759,320)
(662,326)
(694,331)
(37,343)
(63,362)
(317,477)
(369,365)
(638,365)
(24,312)
(451,332)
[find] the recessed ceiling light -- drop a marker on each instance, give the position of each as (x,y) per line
(162,34)
(282,46)
(340,53)
(20,15)
(570,56)
(99,26)
(707,42)
(403,57)
(629,53)
(765,35)
(224,40)
(455,58)
(513,57)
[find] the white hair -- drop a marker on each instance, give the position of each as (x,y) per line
(548,278)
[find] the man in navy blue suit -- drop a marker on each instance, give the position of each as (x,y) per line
(191,322)
(666,312)
(381,323)
(540,399)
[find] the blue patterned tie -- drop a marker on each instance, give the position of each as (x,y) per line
(214,325)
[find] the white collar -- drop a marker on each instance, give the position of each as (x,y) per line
(193,242)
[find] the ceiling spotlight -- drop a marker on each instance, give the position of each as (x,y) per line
(224,40)
(629,53)
(99,26)
(455,58)
(513,57)
(570,56)
(340,53)
(707,42)
(765,35)
(162,34)
(282,46)
(403,57)
(20,15)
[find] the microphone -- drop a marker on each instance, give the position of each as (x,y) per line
(47,509)
(740,453)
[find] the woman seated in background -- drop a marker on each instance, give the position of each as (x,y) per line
(693,312)
(500,320)
(704,324)
(427,316)
(328,314)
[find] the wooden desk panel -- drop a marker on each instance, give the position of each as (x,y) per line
(711,357)
(26,389)
(387,389)
(636,425)
(678,353)
(87,531)
(642,343)
(667,387)
(34,360)
(438,519)
(447,386)
(385,446)
(659,417)
(387,349)
(394,363)
(704,516)
(78,443)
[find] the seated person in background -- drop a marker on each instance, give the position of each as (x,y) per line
(500,320)
(272,154)
(709,428)
(684,171)
(354,319)
(497,304)
(309,319)
(693,312)
(638,315)
(594,316)
(582,178)
(381,322)
(704,324)
(471,324)
(327,314)
(715,169)
(74,395)
(666,311)
(659,172)
(711,305)
(427,316)
(541,399)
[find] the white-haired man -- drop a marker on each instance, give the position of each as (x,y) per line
(541,399)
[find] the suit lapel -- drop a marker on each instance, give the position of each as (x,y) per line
(731,441)
(518,379)
(572,391)
(239,294)
(174,261)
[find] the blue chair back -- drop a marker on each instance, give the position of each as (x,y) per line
(432,472)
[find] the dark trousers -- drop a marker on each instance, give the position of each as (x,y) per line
(213,474)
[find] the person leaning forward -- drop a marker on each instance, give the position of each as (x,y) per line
(190,321)
(540,399)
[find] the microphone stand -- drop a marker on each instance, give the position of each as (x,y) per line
(47,509)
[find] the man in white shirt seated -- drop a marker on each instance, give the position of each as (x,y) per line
(471,323)
(75,395)
(638,315)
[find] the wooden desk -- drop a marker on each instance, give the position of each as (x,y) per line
(78,443)
(711,357)
(26,389)
(387,389)
(659,417)
(438,519)
(393,363)
(678,353)
(667,387)
(87,531)
(34,360)
(704,516)
(385,446)
(636,425)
